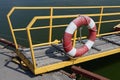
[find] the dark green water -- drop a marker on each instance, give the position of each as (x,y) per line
(108,66)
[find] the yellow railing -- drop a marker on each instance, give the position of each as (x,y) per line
(30,27)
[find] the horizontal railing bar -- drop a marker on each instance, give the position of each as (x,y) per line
(107,21)
(43,27)
(111,14)
(49,43)
(20,29)
(78,7)
(43,44)
(59,26)
(103,34)
(87,7)
(54,26)
(72,16)
(40,27)
(32,8)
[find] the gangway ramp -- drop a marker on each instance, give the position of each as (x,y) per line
(44,56)
(49,57)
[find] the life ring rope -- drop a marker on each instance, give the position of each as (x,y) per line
(76,23)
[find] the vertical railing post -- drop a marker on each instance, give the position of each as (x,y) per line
(13,35)
(51,20)
(100,21)
(74,38)
(11,27)
(30,42)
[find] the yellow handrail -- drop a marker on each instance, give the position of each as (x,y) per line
(51,21)
(100,20)
(50,17)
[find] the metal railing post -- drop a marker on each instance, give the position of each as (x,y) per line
(74,38)
(51,20)
(31,48)
(11,27)
(100,21)
(30,41)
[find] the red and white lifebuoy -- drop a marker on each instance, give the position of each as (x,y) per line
(76,23)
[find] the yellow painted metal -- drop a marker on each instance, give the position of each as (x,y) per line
(116,32)
(26,61)
(31,22)
(47,43)
(31,48)
(39,70)
(72,7)
(98,55)
(11,27)
(14,59)
(21,29)
(30,41)
(111,21)
(100,20)
(75,61)
(76,15)
(51,20)
(74,39)
(44,27)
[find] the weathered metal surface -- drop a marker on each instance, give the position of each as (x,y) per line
(114,39)
(7,42)
(88,74)
(12,71)
(53,54)
(48,55)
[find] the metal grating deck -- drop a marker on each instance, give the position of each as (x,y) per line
(49,55)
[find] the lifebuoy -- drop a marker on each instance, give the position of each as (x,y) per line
(76,23)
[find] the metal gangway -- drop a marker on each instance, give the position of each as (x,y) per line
(49,55)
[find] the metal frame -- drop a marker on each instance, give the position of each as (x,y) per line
(32,66)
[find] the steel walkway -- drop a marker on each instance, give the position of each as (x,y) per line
(50,55)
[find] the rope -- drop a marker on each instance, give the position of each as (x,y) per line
(80,31)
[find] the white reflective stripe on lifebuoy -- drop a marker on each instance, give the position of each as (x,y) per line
(76,23)
(72,52)
(89,44)
(71,28)
(91,24)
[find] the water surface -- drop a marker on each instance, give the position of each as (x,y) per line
(108,66)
